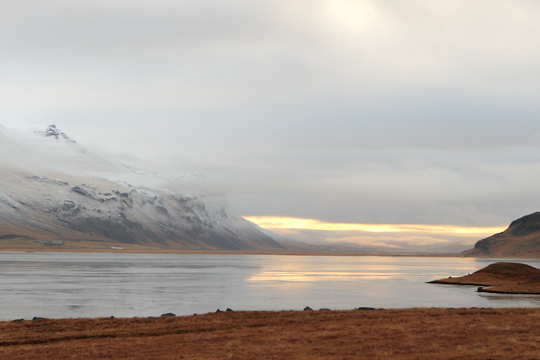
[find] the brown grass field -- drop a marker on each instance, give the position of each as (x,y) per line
(355,334)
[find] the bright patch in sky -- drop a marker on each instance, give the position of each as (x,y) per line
(352,15)
(269,222)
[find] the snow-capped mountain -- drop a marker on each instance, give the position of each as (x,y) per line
(52,131)
(51,188)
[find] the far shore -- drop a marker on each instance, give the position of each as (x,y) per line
(145,250)
(79,246)
(104,246)
(90,246)
(217,252)
(364,333)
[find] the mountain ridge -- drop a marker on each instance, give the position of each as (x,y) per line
(55,197)
(521,240)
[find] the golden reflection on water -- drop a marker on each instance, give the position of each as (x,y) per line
(283,276)
(300,271)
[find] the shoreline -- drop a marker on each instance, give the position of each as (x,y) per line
(142,250)
(307,309)
(415,333)
(252,252)
(85,246)
(98,246)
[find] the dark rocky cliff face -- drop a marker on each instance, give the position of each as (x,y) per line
(526,225)
(521,239)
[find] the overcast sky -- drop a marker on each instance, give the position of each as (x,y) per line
(422,112)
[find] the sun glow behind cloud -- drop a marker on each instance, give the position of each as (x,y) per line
(351,15)
(269,222)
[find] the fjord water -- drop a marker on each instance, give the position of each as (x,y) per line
(69,285)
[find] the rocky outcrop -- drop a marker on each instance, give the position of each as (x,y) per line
(501,277)
(53,132)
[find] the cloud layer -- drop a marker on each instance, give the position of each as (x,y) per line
(337,110)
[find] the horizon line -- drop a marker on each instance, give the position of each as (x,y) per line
(284,222)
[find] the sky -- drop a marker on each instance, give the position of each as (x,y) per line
(338,111)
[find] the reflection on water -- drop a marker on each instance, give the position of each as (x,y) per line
(518,299)
(268,278)
(90,285)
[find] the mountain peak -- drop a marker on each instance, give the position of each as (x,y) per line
(525,225)
(54,132)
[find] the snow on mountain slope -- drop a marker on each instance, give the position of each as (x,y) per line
(52,188)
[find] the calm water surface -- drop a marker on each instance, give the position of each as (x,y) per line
(64,285)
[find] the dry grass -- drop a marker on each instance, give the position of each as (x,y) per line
(356,334)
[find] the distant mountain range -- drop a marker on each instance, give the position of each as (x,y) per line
(53,189)
(520,240)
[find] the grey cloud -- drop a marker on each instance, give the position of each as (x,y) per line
(468,188)
(263,49)
(361,111)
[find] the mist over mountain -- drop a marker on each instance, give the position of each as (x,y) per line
(52,188)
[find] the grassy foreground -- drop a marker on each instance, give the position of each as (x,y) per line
(324,334)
